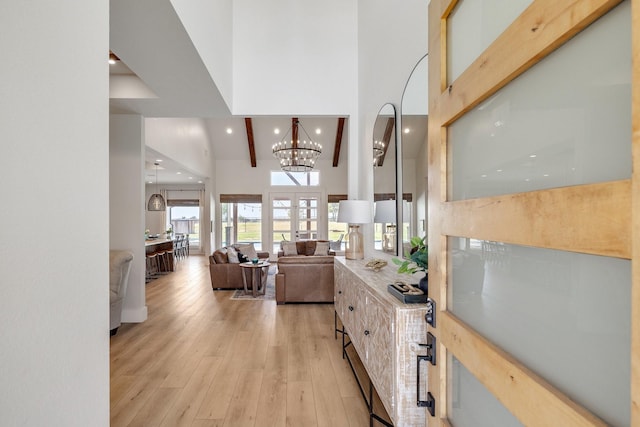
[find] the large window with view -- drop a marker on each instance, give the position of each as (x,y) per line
(184,219)
(241,219)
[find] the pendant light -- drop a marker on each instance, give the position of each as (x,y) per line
(156,201)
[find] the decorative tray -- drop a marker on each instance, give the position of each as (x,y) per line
(401,291)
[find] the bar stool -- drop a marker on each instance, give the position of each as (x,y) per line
(162,262)
(152,267)
(169,256)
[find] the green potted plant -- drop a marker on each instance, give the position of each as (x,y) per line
(416,260)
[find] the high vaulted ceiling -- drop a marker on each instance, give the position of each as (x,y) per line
(161,75)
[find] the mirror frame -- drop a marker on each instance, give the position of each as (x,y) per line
(400,193)
(392,138)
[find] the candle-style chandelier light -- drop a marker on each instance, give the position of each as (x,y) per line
(295,155)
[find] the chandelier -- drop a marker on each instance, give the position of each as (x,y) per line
(378,149)
(295,155)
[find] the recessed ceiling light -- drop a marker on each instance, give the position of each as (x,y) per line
(178,173)
(229,131)
(276,131)
(190,177)
(318,131)
(533,156)
(199,182)
(498,170)
(407,130)
(158,160)
(483,176)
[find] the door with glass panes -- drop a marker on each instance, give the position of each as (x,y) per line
(531,213)
(294,216)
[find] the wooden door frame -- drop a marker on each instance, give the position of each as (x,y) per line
(543,27)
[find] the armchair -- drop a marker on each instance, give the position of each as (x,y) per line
(119,268)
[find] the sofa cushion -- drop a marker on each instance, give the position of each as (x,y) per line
(232,255)
(220,256)
(247,250)
(322,248)
(290,248)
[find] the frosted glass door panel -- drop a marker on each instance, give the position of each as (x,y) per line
(473,26)
(566,121)
(564,315)
(471,404)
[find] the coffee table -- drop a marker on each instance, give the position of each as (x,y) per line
(257,275)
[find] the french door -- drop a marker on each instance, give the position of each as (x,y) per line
(532,203)
(294,216)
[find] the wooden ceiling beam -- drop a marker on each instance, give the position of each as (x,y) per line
(294,132)
(391,121)
(252,145)
(336,146)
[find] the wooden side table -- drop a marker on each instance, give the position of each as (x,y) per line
(257,275)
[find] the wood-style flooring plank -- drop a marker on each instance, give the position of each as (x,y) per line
(204,360)
(184,410)
(155,410)
(301,408)
(272,401)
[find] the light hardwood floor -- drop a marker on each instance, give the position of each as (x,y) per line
(204,360)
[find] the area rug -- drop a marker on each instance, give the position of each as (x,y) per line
(270,293)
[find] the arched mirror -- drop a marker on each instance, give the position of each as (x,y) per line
(412,143)
(385,179)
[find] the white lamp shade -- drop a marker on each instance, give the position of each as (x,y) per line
(385,211)
(354,211)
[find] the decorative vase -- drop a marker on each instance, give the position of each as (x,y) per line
(424,284)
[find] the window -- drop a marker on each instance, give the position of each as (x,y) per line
(241,219)
(300,179)
(184,218)
(337,231)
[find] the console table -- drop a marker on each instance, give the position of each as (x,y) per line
(387,334)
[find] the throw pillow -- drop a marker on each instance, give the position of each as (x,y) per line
(322,249)
(232,255)
(242,257)
(220,256)
(248,251)
(289,248)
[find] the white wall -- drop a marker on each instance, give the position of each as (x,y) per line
(208,24)
(392,37)
(126,206)
(294,57)
(54,300)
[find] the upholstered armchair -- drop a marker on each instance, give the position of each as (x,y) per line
(119,268)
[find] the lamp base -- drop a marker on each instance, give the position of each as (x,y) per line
(354,243)
(389,239)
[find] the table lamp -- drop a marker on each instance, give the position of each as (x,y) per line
(385,213)
(354,213)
